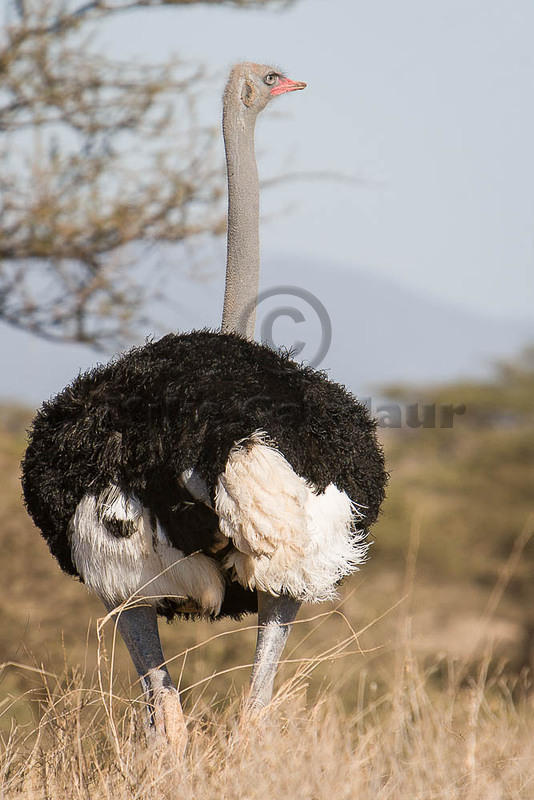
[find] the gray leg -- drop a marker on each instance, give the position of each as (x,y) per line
(139,629)
(275,615)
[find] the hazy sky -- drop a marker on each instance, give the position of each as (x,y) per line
(430,102)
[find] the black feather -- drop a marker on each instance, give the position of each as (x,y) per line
(183,402)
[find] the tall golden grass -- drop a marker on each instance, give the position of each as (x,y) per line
(438,730)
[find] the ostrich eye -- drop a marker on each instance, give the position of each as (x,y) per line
(270,78)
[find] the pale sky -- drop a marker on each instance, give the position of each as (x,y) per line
(429,102)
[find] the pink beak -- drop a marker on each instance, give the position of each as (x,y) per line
(285,85)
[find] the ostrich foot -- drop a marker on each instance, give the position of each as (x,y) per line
(167,722)
(138,626)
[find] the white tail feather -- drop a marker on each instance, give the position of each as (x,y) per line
(288,537)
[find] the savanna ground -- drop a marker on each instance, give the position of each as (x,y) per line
(417,684)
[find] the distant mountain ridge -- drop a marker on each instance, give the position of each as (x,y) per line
(380,332)
(383,332)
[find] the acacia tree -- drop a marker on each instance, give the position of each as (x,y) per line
(97,156)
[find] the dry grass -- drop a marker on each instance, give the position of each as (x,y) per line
(415,686)
(447,729)
(438,731)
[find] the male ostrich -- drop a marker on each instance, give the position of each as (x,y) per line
(205,474)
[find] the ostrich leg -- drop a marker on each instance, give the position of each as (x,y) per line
(139,629)
(275,615)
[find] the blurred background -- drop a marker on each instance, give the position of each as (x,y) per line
(398,189)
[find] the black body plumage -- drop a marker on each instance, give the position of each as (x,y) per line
(182,402)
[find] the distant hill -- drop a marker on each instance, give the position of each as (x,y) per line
(381,332)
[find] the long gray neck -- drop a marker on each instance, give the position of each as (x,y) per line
(243,249)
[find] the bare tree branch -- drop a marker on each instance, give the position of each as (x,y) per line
(96,157)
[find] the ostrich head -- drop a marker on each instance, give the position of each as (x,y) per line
(251,86)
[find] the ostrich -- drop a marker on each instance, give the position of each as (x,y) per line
(204,474)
